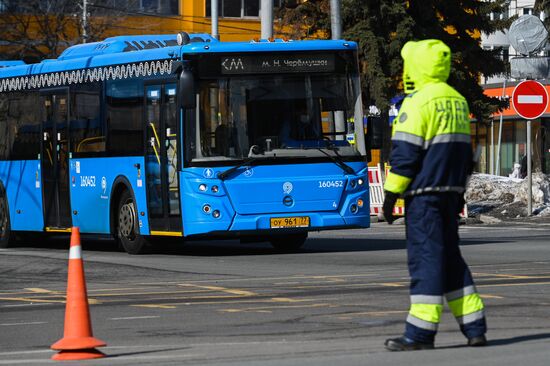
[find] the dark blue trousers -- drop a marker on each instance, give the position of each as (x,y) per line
(437,268)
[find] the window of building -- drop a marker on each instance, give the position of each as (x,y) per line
(505,53)
(237,8)
(124,117)
(165,7)
(87,130)
(162,7)
(501,15)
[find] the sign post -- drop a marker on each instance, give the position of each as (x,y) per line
(530,100)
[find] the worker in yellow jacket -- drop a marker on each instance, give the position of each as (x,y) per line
(431,160)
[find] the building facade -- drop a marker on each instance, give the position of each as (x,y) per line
(74,21)
(508,124)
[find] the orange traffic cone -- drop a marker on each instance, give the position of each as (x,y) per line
(78,342)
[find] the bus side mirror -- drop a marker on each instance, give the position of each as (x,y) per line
(375,131)
(368,144)
(187,89)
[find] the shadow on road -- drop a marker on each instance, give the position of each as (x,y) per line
(519,339)
(145,352)
(221,248)
(506,341)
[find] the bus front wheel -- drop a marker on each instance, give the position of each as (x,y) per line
(288,243)
(5,228)
(127,227)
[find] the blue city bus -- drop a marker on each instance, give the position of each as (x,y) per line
(7,63)
(139,137)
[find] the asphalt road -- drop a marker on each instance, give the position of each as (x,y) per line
(226,303)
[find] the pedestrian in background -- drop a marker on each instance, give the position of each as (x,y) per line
(431,159)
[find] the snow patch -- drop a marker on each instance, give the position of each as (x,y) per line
(507,197)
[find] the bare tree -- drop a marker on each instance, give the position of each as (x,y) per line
(299,19)
(34,30)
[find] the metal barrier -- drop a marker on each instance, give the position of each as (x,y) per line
(376,190)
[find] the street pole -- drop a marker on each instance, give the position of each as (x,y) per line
(84,20)
(497,172)
(214,15)
(335,19)
(529,177)
(267,19)
(492,151)
(336,30)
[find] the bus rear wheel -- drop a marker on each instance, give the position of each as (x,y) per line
(289,242)
(127,227)
(5,228)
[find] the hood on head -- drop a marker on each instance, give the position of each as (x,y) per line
(424,62)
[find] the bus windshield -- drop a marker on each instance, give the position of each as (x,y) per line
(288,115)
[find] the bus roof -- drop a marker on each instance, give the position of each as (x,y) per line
(137,56)
(7,63)
(131,49)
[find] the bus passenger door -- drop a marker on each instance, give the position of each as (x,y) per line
(54,160)
(161,160)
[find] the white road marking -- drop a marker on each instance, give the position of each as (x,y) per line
(20,305)
(27,323)
(135,317)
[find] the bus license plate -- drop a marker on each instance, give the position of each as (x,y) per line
(289,222)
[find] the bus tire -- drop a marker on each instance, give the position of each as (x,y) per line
(127,227)
(6,237)
(289,242)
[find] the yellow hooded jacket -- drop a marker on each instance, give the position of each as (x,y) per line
(431,148)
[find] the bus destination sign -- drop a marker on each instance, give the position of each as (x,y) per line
(276,63)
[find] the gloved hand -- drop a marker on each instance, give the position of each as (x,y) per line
(389,202)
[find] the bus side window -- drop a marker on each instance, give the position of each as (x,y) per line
(4,140)
(87,133)
(125,117)
(23,126)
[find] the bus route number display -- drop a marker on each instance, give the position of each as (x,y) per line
(279,63)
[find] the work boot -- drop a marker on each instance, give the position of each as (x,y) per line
(406,344)
(479,341)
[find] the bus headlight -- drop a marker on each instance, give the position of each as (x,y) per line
(360,181)
(203,187)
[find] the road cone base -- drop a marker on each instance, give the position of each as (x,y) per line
(82,354)
(75,344)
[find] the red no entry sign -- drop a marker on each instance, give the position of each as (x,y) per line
(530,99)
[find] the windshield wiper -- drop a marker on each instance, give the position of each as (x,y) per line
(252,158)
(336,158)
